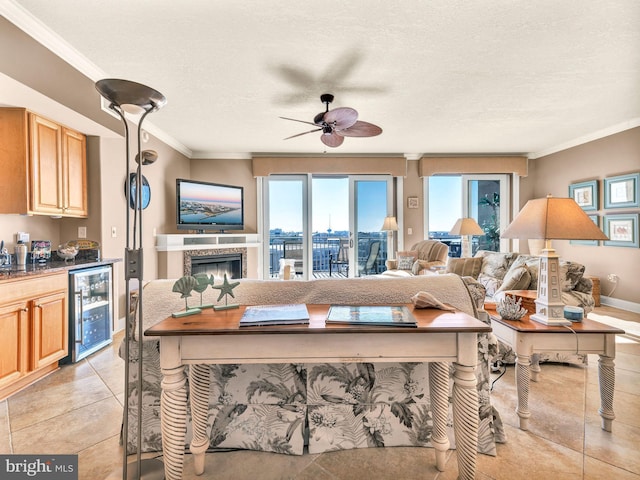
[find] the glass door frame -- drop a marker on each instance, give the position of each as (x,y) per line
(470,210)
(266,235)
(353,221)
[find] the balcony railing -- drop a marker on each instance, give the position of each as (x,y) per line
(324,247)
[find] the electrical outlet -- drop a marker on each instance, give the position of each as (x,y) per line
(409,231)
(114,232)
(612,277)
(22,237)
(82,232)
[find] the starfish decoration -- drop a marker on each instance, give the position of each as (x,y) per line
(226,288)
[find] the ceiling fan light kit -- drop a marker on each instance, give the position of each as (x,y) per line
(337,123)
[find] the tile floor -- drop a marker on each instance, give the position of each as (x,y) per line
(78,409)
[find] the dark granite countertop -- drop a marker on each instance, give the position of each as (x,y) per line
(14,272)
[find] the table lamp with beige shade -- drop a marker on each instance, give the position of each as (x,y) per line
(466,227)
(389,225)
(552,219)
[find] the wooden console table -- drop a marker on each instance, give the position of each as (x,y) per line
(215,338)
(527,338)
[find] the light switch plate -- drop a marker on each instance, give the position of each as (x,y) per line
(22,237)
(82,232)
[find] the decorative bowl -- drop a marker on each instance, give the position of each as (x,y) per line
(67,252)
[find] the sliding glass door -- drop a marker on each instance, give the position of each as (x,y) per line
(370,202)
(285,221)
(484,198)
(325,225)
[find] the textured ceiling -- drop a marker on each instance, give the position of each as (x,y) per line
(439,76)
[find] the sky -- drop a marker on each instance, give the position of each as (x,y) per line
(330,205)
(445,202)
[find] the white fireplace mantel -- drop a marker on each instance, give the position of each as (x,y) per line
(198,241)
(171,249)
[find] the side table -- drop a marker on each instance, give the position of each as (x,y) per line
(527,338)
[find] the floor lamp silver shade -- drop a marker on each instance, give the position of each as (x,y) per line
(125,96)
(466,227)
(552,219)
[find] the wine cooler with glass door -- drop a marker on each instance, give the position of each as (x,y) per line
(90,311)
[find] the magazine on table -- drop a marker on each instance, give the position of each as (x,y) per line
(380,315)
(260,315)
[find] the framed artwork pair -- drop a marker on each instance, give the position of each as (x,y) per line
(620,192)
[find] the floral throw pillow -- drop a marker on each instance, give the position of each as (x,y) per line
(491,284)
(517,278)
(570,274)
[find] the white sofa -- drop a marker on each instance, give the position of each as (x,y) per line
(283,407)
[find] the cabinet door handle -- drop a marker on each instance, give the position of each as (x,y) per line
(80,314)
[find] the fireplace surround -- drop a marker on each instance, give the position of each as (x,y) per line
(216,261)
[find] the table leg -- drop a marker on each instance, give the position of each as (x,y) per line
(439,391)
(535,366)
(607,381)
(173,420)
(465,419)
(199,401)
(523,377)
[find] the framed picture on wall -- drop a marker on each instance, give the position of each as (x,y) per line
(585,194)
(595,219)
(621,191)
(622,230)
(413,202)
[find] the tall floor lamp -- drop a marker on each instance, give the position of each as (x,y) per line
(134,98)
(552,219)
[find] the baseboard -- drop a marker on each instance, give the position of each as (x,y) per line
(621,304)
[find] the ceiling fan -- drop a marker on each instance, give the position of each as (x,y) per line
(337,123)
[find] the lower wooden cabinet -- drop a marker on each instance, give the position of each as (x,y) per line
(35,329)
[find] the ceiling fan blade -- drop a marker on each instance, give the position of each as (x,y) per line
(342,117)
(331,139)
(360,129)
(303,133)
(296,120)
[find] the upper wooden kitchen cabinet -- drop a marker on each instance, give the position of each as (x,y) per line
(44,166)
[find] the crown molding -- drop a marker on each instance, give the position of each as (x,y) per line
(590,137)
(221,156)
(33,27)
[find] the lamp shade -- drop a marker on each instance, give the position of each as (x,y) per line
(390,224)
(553,218)
(466,226)
(130,96)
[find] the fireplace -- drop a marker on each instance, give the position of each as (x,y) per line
(217,262)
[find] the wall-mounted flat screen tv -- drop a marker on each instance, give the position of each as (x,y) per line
(209,207)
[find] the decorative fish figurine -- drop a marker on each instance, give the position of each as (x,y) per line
(185,286)
(204,281)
